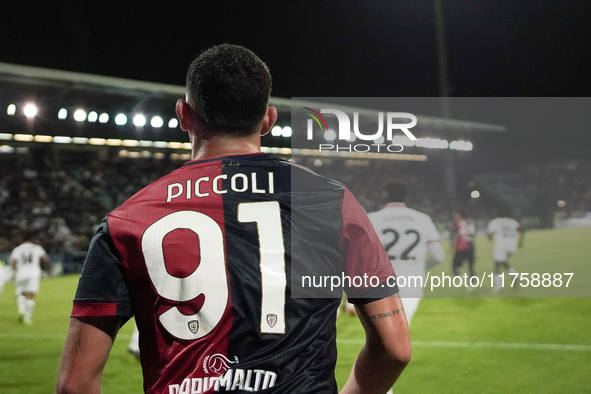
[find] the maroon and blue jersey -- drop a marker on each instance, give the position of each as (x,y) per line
(206,259)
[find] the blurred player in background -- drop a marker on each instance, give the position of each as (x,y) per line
(134,343)
(406,234)
(463,242)
(27,260)
(5,274)
(206,271)
(504,231)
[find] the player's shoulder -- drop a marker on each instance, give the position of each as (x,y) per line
(494,221)
(422,216)
(304,176)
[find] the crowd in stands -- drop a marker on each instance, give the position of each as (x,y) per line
(63,197)
(545,189)
(62,201)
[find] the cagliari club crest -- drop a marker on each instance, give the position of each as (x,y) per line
(271,319)
(194,326)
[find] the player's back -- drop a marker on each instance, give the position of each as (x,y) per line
(464,232)
(504,231)
(404,232)
(209,251)
(28,258)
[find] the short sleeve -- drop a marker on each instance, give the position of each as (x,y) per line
(102,289)
(364,258)
(491,227)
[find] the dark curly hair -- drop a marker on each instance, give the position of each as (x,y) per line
(396,190)
(229,88)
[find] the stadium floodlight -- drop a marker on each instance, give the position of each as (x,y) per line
(104,118)
(403,140)
(120,119)
(62,114)
(79,115)
(92,117)
(58,139)
(131,142)
(80,140)
(317,163)
(461,145)
(561,204)
(6,149)
(11,110)
(156,122)
(276,131)
(30,110)
(43,138)
(23,137)
(475,194)
(160,144)
(175,145)
(379,140)
(286,131)
(432,143)
(139,120)
(97,141)
(5,136)
(330,135)
(173,123)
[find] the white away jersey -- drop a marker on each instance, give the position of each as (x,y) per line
(405,233)
(28,259)
(504,232)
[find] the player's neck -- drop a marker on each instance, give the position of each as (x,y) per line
(224,146)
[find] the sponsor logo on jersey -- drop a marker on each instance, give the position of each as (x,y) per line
(228,378)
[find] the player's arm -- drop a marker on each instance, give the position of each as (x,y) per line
(436,254)
(46,263)
(521,235)
(490,232)
(387,347)
(88,344)
(13,263)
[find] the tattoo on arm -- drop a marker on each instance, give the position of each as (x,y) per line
(78,343)
(383,315)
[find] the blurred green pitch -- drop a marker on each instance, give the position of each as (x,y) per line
(460,345)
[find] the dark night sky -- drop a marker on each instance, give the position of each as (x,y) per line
(365,48)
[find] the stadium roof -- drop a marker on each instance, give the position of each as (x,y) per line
(54,90)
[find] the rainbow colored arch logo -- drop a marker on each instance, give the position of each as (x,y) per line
(315,115)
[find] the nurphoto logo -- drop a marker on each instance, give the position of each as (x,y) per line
(373,142)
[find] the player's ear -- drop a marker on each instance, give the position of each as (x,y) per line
(269,120)
(185,114)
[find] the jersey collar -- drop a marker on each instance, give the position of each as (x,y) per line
(245,156)
(395,204)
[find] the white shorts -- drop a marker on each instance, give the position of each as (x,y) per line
(26,284)
(502,255)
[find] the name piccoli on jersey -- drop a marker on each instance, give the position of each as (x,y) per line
(220,184)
